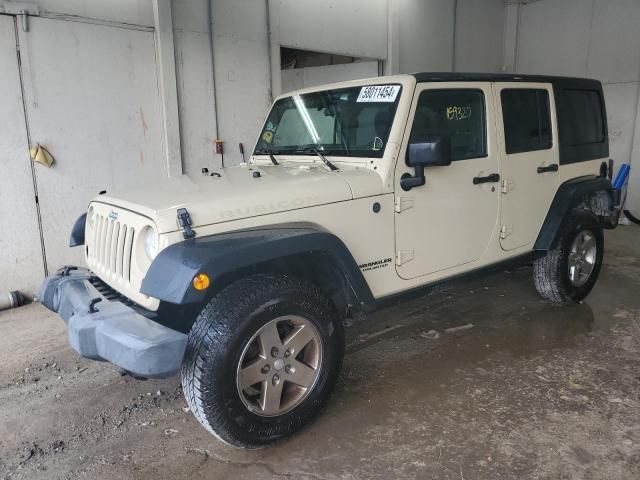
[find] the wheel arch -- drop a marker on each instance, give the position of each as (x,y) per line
(591,195)
(317,256)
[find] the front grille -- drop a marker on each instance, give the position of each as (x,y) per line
(112,251)
(112,248)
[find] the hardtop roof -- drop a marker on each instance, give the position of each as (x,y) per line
(499,77)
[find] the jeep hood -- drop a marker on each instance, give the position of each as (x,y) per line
(244,191)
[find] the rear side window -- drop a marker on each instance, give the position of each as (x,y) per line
(584,113)
(527,122)
(458,115)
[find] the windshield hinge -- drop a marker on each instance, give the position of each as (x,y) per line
(184,220)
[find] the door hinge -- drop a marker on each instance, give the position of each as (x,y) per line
(403,203)
(505,231)
(506,186)
(404,256)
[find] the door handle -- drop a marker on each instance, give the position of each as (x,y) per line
(551,168)
(494,177)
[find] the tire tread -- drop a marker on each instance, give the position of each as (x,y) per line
(549,270)
(215,324)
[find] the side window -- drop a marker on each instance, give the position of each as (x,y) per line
(527,122)
(584,114)
(456,114)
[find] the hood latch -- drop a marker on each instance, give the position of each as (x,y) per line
(184,220)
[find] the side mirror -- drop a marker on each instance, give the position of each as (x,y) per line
(429,151)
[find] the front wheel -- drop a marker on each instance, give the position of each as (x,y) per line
(568,273)
(262,358)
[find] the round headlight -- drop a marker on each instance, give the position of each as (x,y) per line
(150,242)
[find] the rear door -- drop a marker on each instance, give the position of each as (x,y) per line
(530,161)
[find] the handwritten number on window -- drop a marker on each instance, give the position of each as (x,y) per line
(455,112)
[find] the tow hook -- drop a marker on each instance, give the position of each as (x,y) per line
(92,305)
(64,271)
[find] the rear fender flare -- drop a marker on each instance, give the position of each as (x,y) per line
(569,195)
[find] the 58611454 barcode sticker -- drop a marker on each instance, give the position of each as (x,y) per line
(378,93)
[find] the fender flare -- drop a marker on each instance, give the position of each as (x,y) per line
(568,196)
(171,273)
(77,231)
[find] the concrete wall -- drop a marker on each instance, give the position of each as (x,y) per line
(244,50)
(243,78)
(445,35)
(357,28)
(425,35)
(298,78)
(479,35)
(589,38)
(194,81)
(133,12)
(247,42)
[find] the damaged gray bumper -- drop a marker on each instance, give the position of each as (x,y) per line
(111,331)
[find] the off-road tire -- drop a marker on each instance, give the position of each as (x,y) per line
(551,272)
(215,347)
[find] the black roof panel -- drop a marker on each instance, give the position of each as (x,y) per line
(496,77)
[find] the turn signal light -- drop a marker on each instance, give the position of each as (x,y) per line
(201,281)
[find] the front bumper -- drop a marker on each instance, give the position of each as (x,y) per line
(111,331)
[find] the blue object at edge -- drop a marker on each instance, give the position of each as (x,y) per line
(622,176)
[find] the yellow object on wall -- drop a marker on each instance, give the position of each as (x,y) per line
(41,155)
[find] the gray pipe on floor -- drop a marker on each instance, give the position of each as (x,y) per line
(11,300)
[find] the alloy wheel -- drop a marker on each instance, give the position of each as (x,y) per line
(279,366)
(582,258)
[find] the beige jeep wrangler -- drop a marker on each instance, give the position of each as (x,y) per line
(355,194)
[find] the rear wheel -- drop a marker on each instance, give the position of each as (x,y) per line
(262,359)
(568,273)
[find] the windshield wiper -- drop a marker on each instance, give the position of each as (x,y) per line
(269,152)
(324,159)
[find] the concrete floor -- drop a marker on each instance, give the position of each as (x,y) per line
(529,391)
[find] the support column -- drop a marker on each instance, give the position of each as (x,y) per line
(392,64)
(166,65)
(511,27)
(274,54)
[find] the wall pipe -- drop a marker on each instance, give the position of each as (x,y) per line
(213,71)
(11,300)
(267,7)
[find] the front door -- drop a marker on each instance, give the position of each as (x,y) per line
(451,219)
(530,160)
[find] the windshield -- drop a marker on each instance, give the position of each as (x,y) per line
(350,122)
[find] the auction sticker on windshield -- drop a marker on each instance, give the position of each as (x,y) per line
(378,93)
